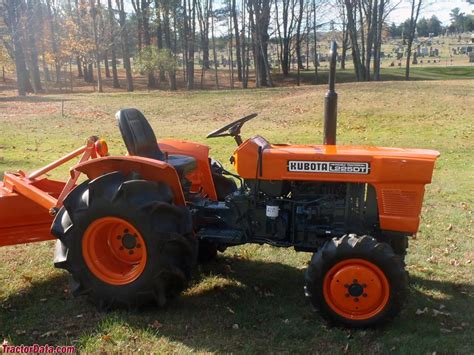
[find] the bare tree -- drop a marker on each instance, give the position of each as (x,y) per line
(94,13)
(237,40)
(12,17)
(415,12)
(125,44)
(112,25)
(31,26)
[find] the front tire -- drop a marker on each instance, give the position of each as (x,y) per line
(356,281)
(124,243)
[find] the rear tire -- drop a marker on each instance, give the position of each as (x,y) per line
(120,272)
(207,251)
(356,282)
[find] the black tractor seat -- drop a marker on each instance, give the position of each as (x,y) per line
(140,140)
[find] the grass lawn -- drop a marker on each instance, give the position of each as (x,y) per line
(251,299)
(417,73)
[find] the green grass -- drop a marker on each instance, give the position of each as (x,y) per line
(417,73)
(258,288)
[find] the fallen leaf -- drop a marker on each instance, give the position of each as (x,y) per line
(454,262)
(286,321)
(450,227)
(49,334)
(346,348)
(27,278)
(155,325)
(20,332)
(235,326)
(5,342)
(421,311)
(439,313)
(445,330)
(230,310)
(43,300)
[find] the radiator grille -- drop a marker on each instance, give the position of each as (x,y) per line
(399,203)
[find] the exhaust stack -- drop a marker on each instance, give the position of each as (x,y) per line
(330,101)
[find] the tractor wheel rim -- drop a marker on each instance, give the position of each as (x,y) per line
(114,250)
(356,289)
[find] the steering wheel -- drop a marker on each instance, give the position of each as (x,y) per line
(232,129)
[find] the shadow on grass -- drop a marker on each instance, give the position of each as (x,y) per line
(263,300)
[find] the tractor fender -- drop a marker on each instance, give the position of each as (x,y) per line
(149,169)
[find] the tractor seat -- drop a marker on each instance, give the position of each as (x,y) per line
(141,141)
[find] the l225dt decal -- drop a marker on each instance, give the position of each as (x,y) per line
(339,167)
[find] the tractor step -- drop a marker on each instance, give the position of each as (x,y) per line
(222,236)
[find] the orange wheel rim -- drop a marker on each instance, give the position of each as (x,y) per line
(114,250)
(356,289)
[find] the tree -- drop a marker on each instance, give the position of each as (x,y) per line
(12,18)
(112,27)
(6,63)
(125,43)
(415,12)
(33,63)
(259,16)
(237,39)
(457,19)
(94,13)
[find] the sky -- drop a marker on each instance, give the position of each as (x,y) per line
(440,8)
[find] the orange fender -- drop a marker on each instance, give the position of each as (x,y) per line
(149,169)
(201,178)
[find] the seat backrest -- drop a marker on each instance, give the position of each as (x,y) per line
(138,134)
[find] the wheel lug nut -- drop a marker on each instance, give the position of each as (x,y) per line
(347,295)
(121,248)
(346,285)
(119,237)
(364,285)
(356,299)
(125,231)
(131,252)
(139,245)
(364,295)
(354,281)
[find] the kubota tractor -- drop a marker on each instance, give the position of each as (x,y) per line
(132,232)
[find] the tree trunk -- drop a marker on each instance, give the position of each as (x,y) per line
(106,64)
(23,82)
(116,83)
(415,11)
(316,62)
(191,38)
(146,36)
(54,40)
(34,69)
(298,38)
(96,43)
(237,41)
(214,52)
(138,11)
(261,11)
(125,48)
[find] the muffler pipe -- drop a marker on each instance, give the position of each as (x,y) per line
(330,101)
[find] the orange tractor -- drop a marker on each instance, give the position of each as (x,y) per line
(132,232)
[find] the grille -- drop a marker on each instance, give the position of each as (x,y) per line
(399,203)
